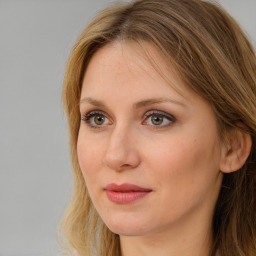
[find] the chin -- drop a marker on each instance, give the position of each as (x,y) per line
(127,226)
(129,231)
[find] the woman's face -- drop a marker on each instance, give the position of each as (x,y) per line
(149,155)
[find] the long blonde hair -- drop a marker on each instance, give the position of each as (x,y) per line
(214,58)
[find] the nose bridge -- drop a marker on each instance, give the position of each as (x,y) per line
(121,151)
(121,134)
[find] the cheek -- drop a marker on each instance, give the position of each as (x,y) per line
(184,159)
(90,162)
(186,174)
(89,157)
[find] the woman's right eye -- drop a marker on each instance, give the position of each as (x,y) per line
(96,119)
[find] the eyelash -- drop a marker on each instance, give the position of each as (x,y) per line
(170,118)
(87,118)
(160,114)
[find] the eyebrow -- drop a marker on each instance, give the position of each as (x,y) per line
(94,102)
(140,104)
(148,102)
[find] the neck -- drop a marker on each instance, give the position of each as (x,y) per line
(186,241)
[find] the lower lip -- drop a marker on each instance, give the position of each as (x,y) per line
(125,197)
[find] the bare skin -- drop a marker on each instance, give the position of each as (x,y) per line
(138,129)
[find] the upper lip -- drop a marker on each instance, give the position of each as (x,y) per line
(126,187)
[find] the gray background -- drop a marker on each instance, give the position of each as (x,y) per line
(35,175)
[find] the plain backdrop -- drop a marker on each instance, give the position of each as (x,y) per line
(35,173)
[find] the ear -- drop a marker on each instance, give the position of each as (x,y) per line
(235,152)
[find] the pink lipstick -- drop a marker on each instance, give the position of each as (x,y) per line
(125,193)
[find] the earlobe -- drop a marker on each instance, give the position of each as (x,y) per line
(236,151)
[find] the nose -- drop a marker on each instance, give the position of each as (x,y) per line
(121,152)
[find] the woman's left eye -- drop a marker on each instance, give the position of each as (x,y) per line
(158,119)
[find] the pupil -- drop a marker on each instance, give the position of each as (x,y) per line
(99,120)
(157,120)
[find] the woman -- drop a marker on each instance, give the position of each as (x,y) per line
(160,98)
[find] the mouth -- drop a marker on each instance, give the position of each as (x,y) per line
(125,193)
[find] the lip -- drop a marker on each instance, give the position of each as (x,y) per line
(125,193)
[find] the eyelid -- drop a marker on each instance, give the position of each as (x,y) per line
(159,112)
(163,114)
(89,114)
(93,112)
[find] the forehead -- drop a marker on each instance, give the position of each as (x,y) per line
(133,59)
